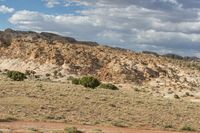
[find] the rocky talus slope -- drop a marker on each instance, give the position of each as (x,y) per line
(47,52)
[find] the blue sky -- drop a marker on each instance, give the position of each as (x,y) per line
(32,5)
(164,26)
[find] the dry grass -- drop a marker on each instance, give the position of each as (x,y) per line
(64,102)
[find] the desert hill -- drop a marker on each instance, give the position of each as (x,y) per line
(47,52)
(153,91)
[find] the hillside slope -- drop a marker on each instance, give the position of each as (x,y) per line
(46,53)
(155,92)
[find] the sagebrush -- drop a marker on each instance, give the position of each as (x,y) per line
(16,75)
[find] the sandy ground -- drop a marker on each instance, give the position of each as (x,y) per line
(47,127)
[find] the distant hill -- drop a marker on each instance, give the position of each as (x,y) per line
(173,56)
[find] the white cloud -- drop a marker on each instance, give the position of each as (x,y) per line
(30,20)
(174,2)
(4,9)
(155,37)
(51,3)
(167,27)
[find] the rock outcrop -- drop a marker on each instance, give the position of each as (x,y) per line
(70,56)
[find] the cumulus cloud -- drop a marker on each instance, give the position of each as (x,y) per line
(80,26)
(51,3)
(4,9)
(158,25)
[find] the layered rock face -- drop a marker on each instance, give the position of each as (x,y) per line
(43,52)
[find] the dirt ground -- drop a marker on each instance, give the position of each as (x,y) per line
(45,127)
(45,101)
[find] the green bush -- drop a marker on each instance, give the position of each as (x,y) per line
(75,81)
(109,86)
(72,130)
(89,81)
(16,76)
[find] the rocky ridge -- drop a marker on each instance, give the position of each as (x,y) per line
(47,52)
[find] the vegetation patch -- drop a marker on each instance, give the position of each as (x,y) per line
(187,128)
(176,96)
(75,81)
(72,130)
(109,86)
(86,81)
(89,81)
(8,119)
(168,126)
(16,75)
(119,123)
(92,82)
(34,129)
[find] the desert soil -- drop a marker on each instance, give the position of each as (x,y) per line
(20,127)
(137,108)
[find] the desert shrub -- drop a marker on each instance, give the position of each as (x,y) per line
(37,76)
(72,130)
(89,81)
(60,74)
(168,126)
(55,73)
(109,86)
(187,94)
(28,72)
(34,130)
(75,81)
(86,81)
(50,117)
(187,128)
(8,119)
(119,123)
(48,75)
(16,76)
(176,96)
(70,78)
(5,70)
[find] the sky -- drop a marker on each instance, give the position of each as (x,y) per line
(163,26)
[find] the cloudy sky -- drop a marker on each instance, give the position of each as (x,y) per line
(164,26)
